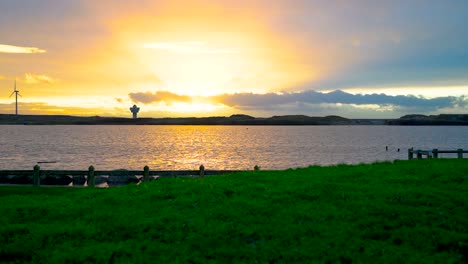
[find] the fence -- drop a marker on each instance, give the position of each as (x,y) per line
(434,153)
(80,177)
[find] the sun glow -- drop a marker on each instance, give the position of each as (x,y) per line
(196,49)
(187,57)
(206,51)
(195,107)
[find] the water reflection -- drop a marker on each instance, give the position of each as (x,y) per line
(217,147)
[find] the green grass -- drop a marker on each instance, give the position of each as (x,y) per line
(402,212)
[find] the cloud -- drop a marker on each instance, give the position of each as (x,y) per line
(341,103)
(312,101)
(159,96)
(252,101)
(40,108)
(30,78)
(17,49)
(196,47)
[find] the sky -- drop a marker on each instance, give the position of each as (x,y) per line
(353,58)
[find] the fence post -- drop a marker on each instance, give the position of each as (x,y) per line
(37,175)
(146,174)
(202,170)
(435,152)
(419,154)
(460,153)
(91,176)
(410,153)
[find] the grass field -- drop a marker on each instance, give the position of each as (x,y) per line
(401,212)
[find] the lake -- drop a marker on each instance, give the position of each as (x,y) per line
(216,147)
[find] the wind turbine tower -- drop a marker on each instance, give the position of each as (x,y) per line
(16,92)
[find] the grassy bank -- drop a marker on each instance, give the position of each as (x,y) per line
(406,211)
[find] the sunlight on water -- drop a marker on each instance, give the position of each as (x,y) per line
(217,147)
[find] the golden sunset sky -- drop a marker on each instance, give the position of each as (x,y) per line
(205,58)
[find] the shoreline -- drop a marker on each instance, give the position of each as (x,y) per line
(237,120)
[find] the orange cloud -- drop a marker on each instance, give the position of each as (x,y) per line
(30,78)
(159,96)
(39,108)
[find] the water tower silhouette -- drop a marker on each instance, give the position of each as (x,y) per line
(134,111)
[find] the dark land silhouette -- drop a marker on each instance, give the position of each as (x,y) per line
(431,120)
(239,119)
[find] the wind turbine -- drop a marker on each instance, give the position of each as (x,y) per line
(16,92)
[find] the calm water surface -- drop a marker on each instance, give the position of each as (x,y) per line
(217,147)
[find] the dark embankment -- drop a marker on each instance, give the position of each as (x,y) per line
(402,212)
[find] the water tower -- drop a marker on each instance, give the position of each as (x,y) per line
(134,111)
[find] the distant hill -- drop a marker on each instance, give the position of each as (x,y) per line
(238,119)
(216,120)
(431,120)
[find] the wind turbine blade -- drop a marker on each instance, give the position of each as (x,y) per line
(11,94)
(20,95)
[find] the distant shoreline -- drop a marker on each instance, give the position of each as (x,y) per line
(287,120)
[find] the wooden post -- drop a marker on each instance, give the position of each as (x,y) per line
(410,153)
(202,170)
(419,154)
(37,175)
(435,152)
(460,153)
(146,174)
(91,176)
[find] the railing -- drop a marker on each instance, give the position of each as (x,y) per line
(434,153)
(80,177)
